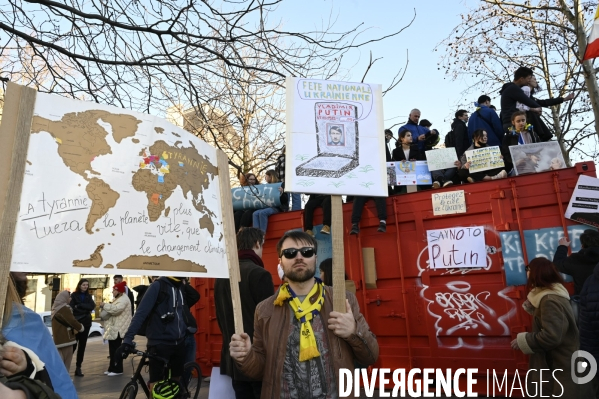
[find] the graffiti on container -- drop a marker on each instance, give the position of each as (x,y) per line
(256,197)
(467,309)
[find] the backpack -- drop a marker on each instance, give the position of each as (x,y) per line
(33,389)
(450,139)
(162,296)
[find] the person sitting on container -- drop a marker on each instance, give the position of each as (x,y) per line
(479,140)
(243,217)
(405,151)
(554,336)
(520,133)
(260,216)
(315,201)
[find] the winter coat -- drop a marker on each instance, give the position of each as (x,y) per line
(545,134)
(269,348)
(588,316)
(460,134)
(511,93)
(255,286)
(82,308)
(399,155)
(65,327)
(510,139)
(416,131)
(579,265)
(120,317)
(487,119)
(158,332)
(553,340)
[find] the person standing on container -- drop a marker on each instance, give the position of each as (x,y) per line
(554,336)
(299,342)
(82,304)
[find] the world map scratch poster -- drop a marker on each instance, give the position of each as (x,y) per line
(107,190)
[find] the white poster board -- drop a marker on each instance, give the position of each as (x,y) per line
(456,247)
(442,158)
(538,157)
(107,190)
(335,138)
(584,203)
(484,158)
(449,202)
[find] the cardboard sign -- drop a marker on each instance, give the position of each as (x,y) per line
(538,157)
(484,159)
(449,203)
(411,173)
(456,247)
(584,203)
(442,158)
(335,138)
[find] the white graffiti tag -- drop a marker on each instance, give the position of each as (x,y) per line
(464,307)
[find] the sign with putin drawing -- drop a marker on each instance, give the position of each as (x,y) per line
(335,138)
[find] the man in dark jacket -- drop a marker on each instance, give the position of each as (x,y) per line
(166,329)
(255,286)
(511,93)
(419,133)
(588,325)
(460,132)
(579,265)
(487,119)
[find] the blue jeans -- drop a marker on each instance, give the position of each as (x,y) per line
(190,348)
(443,175)
(296,201)
(261,217)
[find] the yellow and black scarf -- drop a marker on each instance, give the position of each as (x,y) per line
(304,312)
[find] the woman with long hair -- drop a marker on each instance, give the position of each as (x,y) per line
(554,335)
(82,304)
(117,316)
(243,217)
(260,216)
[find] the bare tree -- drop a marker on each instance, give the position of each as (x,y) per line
(225,60)
(498,36)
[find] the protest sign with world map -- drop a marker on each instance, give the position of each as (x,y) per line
(108,190)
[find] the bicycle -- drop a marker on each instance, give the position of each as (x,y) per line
(189,389)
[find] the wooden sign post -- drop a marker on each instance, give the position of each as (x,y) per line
(230,238)
(15,131)
(338,254)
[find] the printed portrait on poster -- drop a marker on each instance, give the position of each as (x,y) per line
(538,157)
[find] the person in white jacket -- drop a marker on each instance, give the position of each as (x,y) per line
(118,317)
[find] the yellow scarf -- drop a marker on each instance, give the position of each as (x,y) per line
(304,312)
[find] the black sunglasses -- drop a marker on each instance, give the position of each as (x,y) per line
(290,253)
(527,268)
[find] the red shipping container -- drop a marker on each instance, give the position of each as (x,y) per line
(448,318)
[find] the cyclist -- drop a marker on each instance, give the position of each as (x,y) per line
(161,311)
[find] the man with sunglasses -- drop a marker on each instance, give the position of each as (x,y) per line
(299,343)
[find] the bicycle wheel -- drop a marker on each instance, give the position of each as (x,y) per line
(130,390)
(192,380)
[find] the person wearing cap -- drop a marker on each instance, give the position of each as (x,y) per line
(579,265)
(117,316)
(255,286)
(119,279)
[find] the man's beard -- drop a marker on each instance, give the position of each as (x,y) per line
(298,276)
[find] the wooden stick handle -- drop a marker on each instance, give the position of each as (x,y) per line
(338,254)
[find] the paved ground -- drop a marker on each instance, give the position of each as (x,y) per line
(96,385)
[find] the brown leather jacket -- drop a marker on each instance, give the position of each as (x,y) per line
(271,324)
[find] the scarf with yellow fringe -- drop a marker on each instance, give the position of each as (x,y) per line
(304,312)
